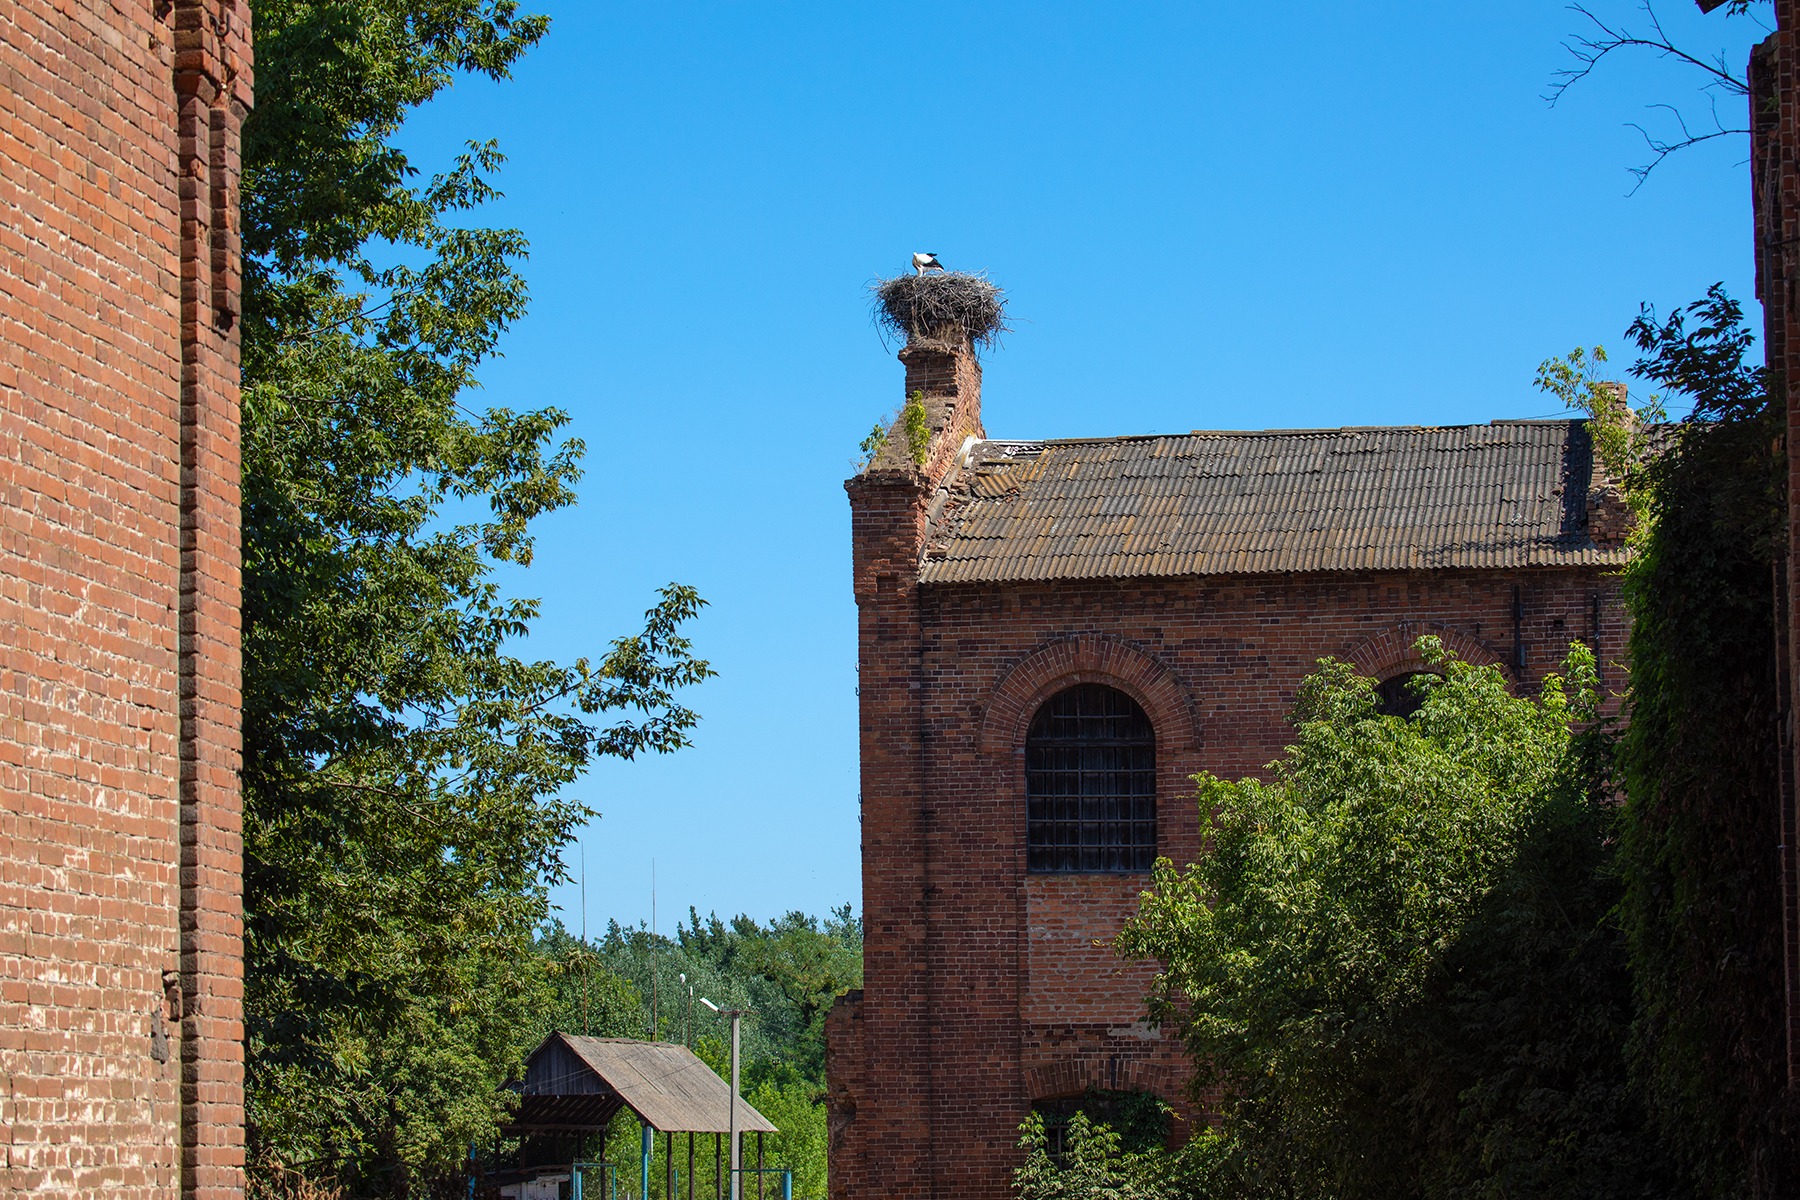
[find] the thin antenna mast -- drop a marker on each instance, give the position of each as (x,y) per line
(654,1019)
(584,945)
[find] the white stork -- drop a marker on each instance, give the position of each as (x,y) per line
(926,262)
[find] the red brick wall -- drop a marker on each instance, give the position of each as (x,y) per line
(983,986)
(118,595)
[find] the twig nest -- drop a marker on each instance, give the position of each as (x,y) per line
(945,307)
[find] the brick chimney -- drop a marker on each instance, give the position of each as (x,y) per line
(945,376)
(1610,519)
(889,500)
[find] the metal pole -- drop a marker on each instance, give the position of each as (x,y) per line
(648,1148)
(759,1165)
(731,1123)
(669,1166)
(690,1195)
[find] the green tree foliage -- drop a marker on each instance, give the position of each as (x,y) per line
(1093,1165)
(808,962)
(1702,904)
(404,769)
(587,998)
(1395,962)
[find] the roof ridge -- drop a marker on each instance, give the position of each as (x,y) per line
(1251,433)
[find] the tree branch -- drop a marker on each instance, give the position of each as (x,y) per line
(1660,149)
(1589,51)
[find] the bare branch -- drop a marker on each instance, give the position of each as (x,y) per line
(1590,50)
(1660,149)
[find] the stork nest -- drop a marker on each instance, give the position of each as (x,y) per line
(945,306)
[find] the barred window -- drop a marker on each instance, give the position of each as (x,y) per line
(1399,696)
(1090,783)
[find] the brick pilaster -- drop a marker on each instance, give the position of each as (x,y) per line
(212,80)
(883,1146)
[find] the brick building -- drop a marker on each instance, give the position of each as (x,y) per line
(1053,636)
(120,967)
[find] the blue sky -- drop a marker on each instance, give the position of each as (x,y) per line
(1206,216)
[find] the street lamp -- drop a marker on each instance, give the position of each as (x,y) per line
(736,1015)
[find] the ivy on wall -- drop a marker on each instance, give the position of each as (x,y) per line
(1701,832)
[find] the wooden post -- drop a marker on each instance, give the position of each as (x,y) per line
(718,1168)
(759,1165)
(669,1166)
(690,1195)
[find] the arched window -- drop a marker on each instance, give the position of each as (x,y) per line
(1398,697)
(1090,783)
(1141,1120)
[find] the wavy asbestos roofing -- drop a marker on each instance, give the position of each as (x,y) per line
(1506,494)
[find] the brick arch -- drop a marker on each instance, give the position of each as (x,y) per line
(1391,652)
(1088,658)
(1105,1072)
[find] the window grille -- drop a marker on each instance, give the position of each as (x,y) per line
(1399,697)
(1090,783)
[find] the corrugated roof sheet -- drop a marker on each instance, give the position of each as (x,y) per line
(665,1084)
(1506,494)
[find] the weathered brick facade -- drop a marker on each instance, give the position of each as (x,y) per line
(120,966)
(985,988)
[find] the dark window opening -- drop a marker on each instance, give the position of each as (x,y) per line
(1141,1119)
(1400,696)
(1090,783)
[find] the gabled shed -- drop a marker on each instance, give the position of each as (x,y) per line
(576,1084)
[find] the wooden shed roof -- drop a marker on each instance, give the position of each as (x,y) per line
(666,1085)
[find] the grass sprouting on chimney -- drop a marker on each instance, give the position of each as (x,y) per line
(943,307)
(917,427)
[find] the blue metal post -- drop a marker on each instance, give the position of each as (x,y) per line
(787,1186)
(649,1149)
(575,1182)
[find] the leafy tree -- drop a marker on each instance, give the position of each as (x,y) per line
(797,1110)
(811,962)
(404,769)
(1091,1166)
(1395,964)
(1702,901)
(588,998)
